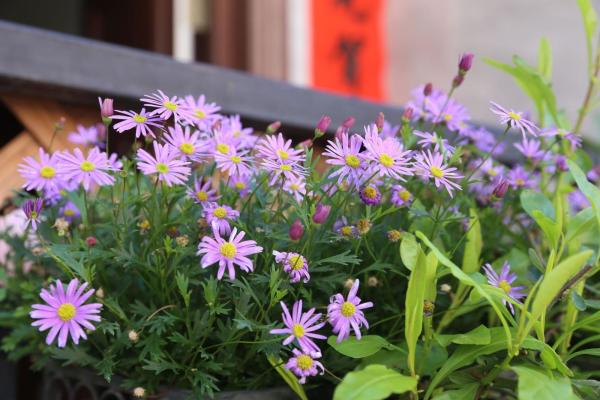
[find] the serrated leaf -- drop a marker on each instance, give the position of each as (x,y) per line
(375,382)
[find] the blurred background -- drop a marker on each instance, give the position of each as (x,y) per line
(373,49)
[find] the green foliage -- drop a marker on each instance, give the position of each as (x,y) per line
(535,384)
(365,347)
(590,25)
(375,382)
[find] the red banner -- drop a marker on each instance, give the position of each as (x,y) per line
(348,51)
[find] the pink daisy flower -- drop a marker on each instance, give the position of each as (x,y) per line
(228,253)
(65,313)
(42,174)
(186,143)
(240,184)
(203,112)
(504,281)
(530,149)
(514,119)
(430,165)
(234,163)
(165,163)
(165,107)
(243,136)
(346,155)
(92,168)
(296,187)
(142,122)
(401,197)
(345,314)
(90,136)
(294,264)
(202,192)
(218,217)
(387,156)
(305,364)
(300,326)
(433,140)
(277,149)
(278,168)
(222,142)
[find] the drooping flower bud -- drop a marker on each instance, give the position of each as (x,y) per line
(273,127)
(322,126)
(321,213)
(500,189)
(427,89)
(91,241)
(465,63)
(296,230)
(379,121)
(106,110)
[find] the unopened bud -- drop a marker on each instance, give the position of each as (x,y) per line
(373,281)
(296,230)
(394,235)
(500,189)
(407,114)
(106,108)
(322,126)
(321,213)
(273,127)
(348,283)
(305,144)
(363,226)
(100,293)
(465,63)
(457,81)
(182,240)
(427,89)
(91,241)
(348,122)
(379,121)
(133,336)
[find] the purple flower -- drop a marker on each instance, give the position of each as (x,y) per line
(530,149)
(430,166)
(228,253)
(342,227)
(142,122)
(400,196)
(202,112)
(91,136)
(304,364)
(300,326)
(106,107)
(69,211)
(500,189)
(165,163)
(519,178)
(187,144)
(244,139)
(240,183)
(345,154)
(33,212)
(165,107)
(432,139)
(234,163)
(345,314)
(321,213)
(514,119)
(294,264)
(322,125)
(202,192)
(483,140)
(390,130)
(574,139)
(454,114)
(276,148)
(370,195)
(284,170)
(296,187)
(577,201)
(43,174)
(86,170)
(218,217)
(65,312)
(504,281)
(388,157)
(465,62)
(296,230)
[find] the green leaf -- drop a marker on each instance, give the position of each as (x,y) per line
(536,260)
(467,392)
(554,281)
(591,192)
(583,222)
(182,282)
(409,250)
(365,347)
(479,335)
(474,245)
(536,383)
(287,376)
(586,352)
(590,22)
(545,59)
(542,211)
(344,258)
(578,301)
(375,382)
(415,296)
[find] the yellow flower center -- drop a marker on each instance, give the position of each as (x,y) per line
(240,185)
(202,195)
(34,214)
(228,250)
(386,160)
(200,114)
(169,105)
(139,118)
(236,159)
(298,330)
(352,161)
(220,212)
(162,168)
(492,172)
(47,172)
(519,182)
(285,167)
(435,171)
(237,133)
(223,148)
(562,133)
(187,148)
(145,224)
(294,187)
(87,166)
(504,286)
(283,154)
(304,362)
(348,309)
(66,312)
(69,212)
(447,117)
(296,262)
(514,116)
(370,192)
(404,195)
(346,230)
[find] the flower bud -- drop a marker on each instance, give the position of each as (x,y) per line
(379,121)
(465,63)
(273,127)
(394,235)
(457,81)
(100,293)
(445,288)
(428,308)
(139,392)
(91,241)
(296,230)
(363,226)
(321,213)
(407,114)
(182,240)
(133,336)
(305,144)
(348,122)
(373,281)
(322,126)
(106,108)
(427,89)
(500,189)
(349,283)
